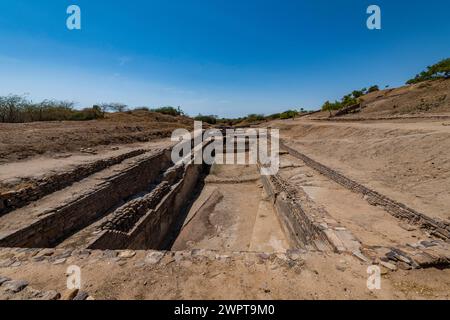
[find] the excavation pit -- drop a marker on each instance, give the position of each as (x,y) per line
(150,203)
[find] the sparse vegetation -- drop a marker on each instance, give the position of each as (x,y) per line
(211,119)
(289,114)
(168,110)
(440,70)
(113,107)
(373,89)
(255,117)
(348,100)
(18,109)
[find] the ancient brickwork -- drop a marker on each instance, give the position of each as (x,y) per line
(146,222)
(124,218)
(62,221)
(19,198)
(297,219)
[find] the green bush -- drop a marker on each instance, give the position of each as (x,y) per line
(331,106)
(373,89)
(255,117)
(347,100)
(171,111)
(144,109)
(274,116)
(289,114)
(211,119)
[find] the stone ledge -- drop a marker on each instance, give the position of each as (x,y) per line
(38,189)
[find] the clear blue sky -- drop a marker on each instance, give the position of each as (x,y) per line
(227,58)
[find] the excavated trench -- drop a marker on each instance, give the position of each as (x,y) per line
(146,202)
(151,203)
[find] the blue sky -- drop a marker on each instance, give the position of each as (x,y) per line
(228,58)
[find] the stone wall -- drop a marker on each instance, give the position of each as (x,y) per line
(151,229)
(51,229)
(297,218)
(124,218)
(437,228)
(19,198)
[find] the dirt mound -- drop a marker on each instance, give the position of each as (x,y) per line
(20,141)
(426,98)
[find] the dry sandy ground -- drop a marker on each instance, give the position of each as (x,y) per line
(408,161)
(222,275)
(21,141)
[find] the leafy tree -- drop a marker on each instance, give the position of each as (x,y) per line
(118,107)
(358,93)
(328,106)
(348,100)
(440,70)
(373,89)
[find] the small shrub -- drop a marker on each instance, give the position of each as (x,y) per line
(255,117)
(211,119)
(373,89)
(171,111)
(290,114)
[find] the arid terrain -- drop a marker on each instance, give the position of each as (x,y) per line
(365,189)
(424,99)
(62,138)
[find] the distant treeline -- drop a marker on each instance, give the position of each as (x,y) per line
(251,118)
(168,110)
(17,109)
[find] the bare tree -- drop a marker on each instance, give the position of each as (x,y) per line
(114,107)
(11,108)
